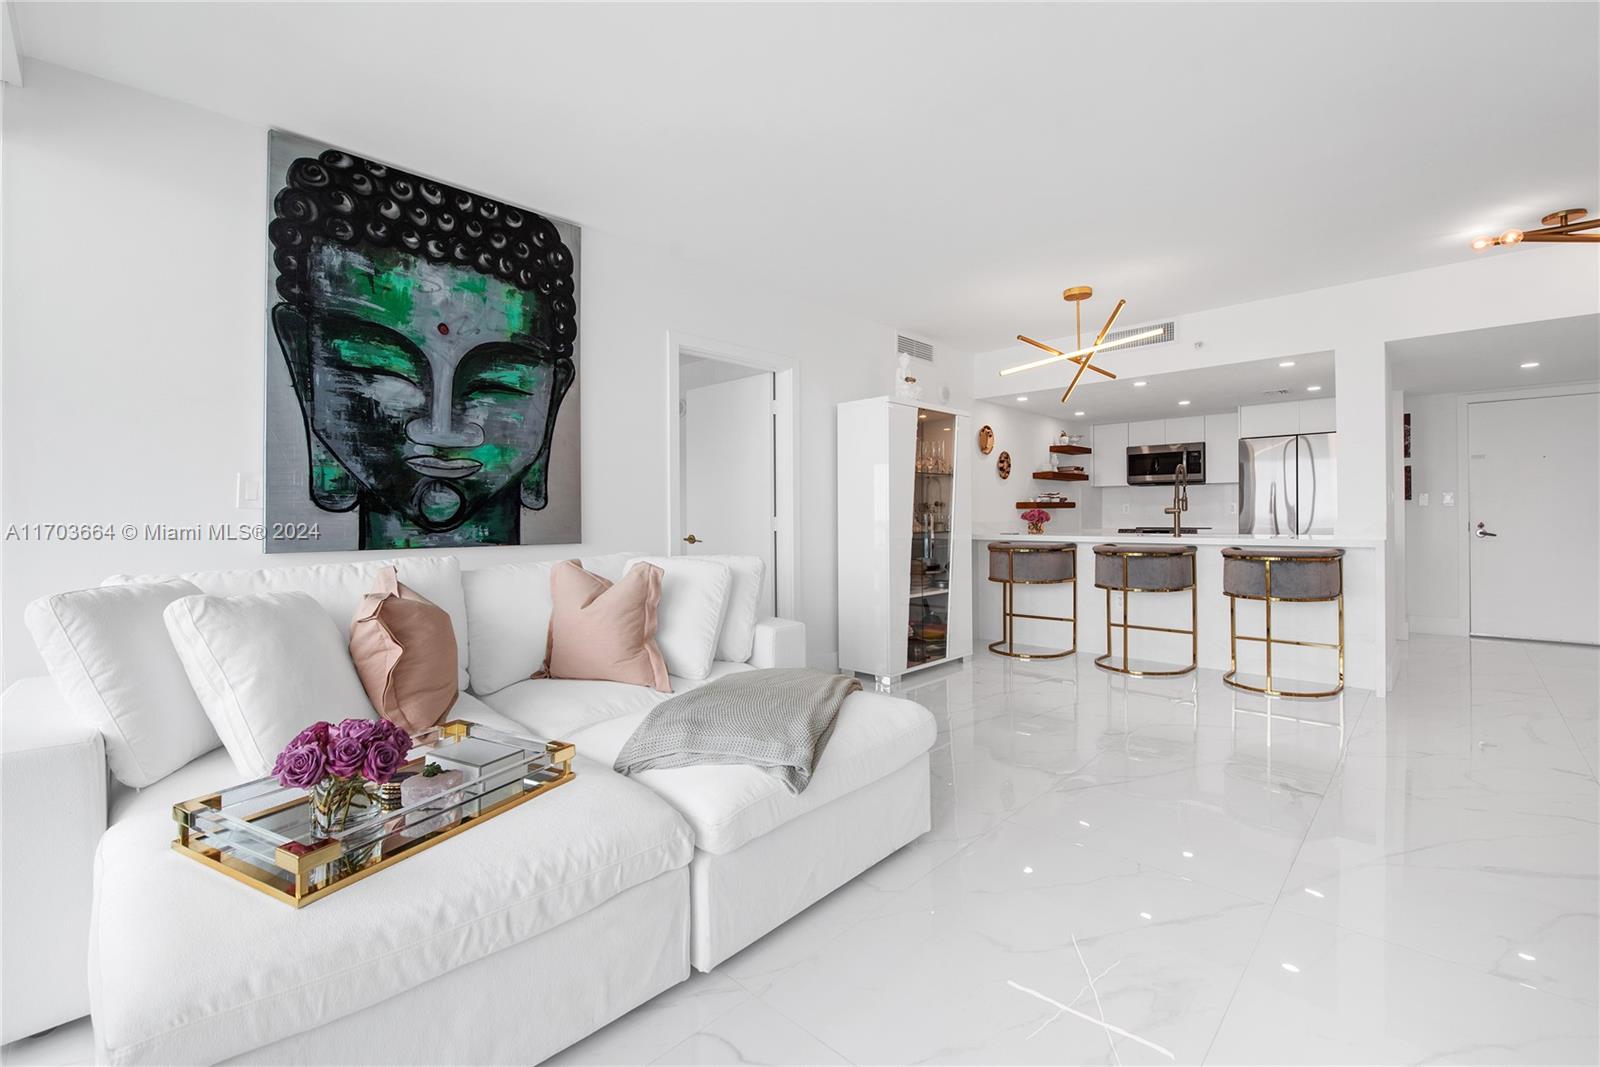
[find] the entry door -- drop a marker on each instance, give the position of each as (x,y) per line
(728,473)
(1534,505)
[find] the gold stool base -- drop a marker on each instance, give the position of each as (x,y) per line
(1104,663)
(997,650)
(1311,694)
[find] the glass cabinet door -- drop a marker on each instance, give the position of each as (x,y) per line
(933,499)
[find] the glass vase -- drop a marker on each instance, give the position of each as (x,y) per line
(333,802)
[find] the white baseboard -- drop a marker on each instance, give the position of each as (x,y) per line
(1430,624)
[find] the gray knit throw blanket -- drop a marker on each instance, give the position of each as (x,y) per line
(778,720)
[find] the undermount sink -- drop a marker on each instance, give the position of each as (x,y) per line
(1161,529)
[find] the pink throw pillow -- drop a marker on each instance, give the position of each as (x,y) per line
(604,631)
(404,650)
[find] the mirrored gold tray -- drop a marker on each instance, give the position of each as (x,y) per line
(260,833)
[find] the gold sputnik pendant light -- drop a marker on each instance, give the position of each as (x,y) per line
(1082,356)
(1559,227)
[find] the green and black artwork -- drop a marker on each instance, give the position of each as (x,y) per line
(423,341)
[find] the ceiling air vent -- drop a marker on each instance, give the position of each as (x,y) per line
(1275,392)
(914,348)
(1165,335)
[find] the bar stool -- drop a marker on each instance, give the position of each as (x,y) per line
(1276,576)
(1014,563)
(1146,569)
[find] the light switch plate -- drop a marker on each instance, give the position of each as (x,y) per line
(1447,500)
(246,490)
(1422,501)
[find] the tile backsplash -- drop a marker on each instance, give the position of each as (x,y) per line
(1208,506)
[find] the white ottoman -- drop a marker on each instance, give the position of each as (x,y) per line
(504,944)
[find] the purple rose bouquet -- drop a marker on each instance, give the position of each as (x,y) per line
(336,764)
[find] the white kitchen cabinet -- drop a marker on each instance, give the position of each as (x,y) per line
(1183,431)
(1222,447)
(1317,416)
(1153,432)
(1110,444)
(1269,420)
(905,535)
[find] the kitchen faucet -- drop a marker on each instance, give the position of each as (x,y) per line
(1180,499)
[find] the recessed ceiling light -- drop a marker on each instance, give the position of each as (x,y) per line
(1140,385)
(1022,400)
(1291,968)
(1183,403)
(1531,363)
(1078,414)
(1313,388)
(1287,363)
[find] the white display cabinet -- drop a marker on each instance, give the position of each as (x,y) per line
(905,536)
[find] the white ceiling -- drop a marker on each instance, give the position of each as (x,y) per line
(942,168)
(1208,389)
(1567,350)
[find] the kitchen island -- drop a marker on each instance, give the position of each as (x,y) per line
(1366,658)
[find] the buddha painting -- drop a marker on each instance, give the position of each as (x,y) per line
(429,336)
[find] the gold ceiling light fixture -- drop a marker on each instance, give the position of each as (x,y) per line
(1082,356)
(1562,226)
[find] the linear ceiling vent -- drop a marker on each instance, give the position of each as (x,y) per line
(1276,392)
(914,348)
(1166,334)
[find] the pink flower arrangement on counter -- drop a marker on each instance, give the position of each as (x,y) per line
(1036,516)
(369,749)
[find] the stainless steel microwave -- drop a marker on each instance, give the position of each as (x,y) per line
(1158,464)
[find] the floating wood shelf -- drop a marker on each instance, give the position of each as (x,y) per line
(1072,450)
(1025,504)
(1061,476)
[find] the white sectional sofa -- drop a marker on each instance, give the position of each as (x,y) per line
(549,921)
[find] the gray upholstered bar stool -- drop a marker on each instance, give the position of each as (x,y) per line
(1276,576)
(1146,569)
(1014,563)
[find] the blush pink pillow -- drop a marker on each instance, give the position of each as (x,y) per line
(404,650)
(603,631)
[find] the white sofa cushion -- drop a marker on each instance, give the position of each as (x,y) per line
(738,636)
(108,652)
(264,666)
(694,598)
(254,970)
(508,623)
(556,708)
(508,617)
(339,587)
(729,806)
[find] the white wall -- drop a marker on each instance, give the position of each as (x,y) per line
(130,377)
(1028,438)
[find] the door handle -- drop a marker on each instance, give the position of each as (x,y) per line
(693,540)
(1481,532)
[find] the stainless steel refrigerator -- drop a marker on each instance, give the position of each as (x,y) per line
(1287,485)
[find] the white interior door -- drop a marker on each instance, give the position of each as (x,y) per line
(1533,515)
(728,490)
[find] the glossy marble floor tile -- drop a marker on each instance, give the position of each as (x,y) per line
(1319,993)
(1166,871)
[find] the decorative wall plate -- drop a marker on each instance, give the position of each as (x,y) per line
(986,440)
(1003,465)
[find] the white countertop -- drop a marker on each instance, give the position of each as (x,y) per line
(1210,537)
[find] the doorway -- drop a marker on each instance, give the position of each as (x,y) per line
(1534,517)
(731,461)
